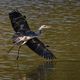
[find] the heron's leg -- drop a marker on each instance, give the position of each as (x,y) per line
(11,48)
(18,52)
(19,48)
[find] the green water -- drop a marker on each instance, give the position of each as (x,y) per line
(64,39)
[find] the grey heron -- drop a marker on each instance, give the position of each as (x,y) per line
(24,35)
(23,38)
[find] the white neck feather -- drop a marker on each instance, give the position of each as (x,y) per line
(41,27)
(40,30)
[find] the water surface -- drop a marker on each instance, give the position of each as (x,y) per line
(64,39)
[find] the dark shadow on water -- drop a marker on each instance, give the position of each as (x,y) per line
(42,72)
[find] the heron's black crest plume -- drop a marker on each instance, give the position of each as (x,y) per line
(27,36)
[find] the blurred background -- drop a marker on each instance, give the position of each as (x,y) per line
(63,37)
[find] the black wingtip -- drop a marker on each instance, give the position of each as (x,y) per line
(37,46)
(49,56)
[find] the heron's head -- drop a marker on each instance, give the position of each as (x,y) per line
(44,27)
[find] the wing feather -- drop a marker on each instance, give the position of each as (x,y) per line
(18,21)
(37,46)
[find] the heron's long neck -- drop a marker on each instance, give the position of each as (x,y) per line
(39,31)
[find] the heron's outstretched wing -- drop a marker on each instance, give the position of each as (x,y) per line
(37,46)
(18,21)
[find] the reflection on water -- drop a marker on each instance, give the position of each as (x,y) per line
(41,72)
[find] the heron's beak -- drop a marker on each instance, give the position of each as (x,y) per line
(48,27)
